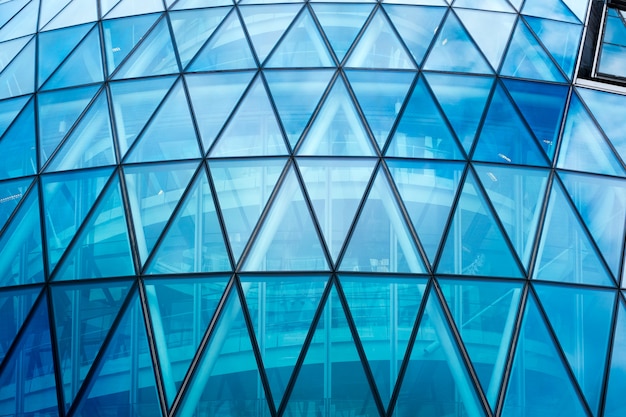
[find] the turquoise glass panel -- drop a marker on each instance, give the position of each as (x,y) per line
(11,193)
(22,23)
(10,49)
(133,7)
(341,24)
(495,5)
(288,239)
(551,9)
(614,404)
(55,46)
(196,4)
(49,9)
(19,141)
(180,312)
(611,61)
(15,304)
(121,36)
(19,76)
(75,13)
(381,240)
(9,109)
(10,9)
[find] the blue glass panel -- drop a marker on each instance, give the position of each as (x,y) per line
(153,193)
(170,134)
(83,315)
(282,310)
(337,129)
(10,9)
(106,6)
(21,252)
(29,371)
(542,105)
(196,4)
(581,319)
(612,60)
(435,352)
(550,9)
(123,383)
(384,312)
(469,252)
(102,249)
(14,307)
(485,314)
(495,5)
(517,195)
(22,23)
(296,95)
(11,193)
(539,375)
(427,190)
(302,46)
(122,35)
(565,251)
(463,99)
(19,76)
(341,23)
(180,312)
(243,188)
(55,46)
(379,47)
(417,26)
(19,142)
(288,239)
(132,7)
(381,240)
(332,374)
(601,202)
(9,109)
(194,241)
(10,49)
(614,405)
(50,9)
(253,129)
(422,131)
(381,101)
(454,50)
(75,13)
(504,137)
(335,189)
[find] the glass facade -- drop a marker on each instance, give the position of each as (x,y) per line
(284,208)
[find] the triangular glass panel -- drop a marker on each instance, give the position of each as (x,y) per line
(485,314)
(475,245)
(282,310)
(11,193)
(517,195)
(454,50)
(243,188)
(227,48)
(266,24)
(170,134)
(10,49)
(578,7)
(193,242)
(296,95)
(197,4)
(67,199)
(18,77)
(341,23)
(416,25)
(379,47)
(380,101)
(127,357)
(435,352)
(614,405)
(9,9)
(219,386)
(49,9)
(336,189)
(526,58)
(565,251)
(337,130)
(107,5)
(542,105)
(381,240)
(133,7)
(584,147)
(287,240)
(102,247)
(58,112)
(549,9)
(192,28)
(482,25)
(75,13)
(153,56)
(30,370)
(463,99)
(122,35)
(83,315)
(253,129)
(302,46)
(422,131)
(180,312)
(55,46)
(134,102)
(21,251)
(564,46)
(83,66)
(332,375)
(392,304)
(19,141)
(24,22)
(493,5)
(504,138)
(427,190)
(15,304)
(539,374)
(9,109)
(213,98)
(153,193)
(581,319)
(91,142)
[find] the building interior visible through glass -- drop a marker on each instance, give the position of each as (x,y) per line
(266,208)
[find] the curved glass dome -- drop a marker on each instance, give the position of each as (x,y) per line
(402,208)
